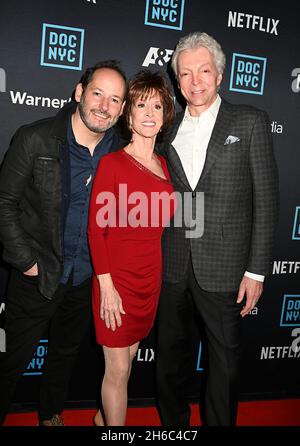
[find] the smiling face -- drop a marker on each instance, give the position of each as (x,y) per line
(147,115)
(198,79)
(102,101)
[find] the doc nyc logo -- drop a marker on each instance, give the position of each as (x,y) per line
(248,74)
(36,365)
(165,13)
(290,313)
(157,56)
(199,368)
(62,47)
(296,228)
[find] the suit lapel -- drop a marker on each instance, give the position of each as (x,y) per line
(218,137)
(216,143)
(172,154)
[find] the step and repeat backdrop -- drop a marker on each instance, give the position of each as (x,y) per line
(44,47)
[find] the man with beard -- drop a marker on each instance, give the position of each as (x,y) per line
(45,185)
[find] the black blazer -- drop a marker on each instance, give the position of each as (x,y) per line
(241,199)
(34,197)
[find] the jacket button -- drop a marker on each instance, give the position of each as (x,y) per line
(193,194)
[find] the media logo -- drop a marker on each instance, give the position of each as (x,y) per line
(285,267)
(2,81)
(23,98)
(290,314)
(35,367)
(2,341)
(255,22)
(276,127)
(157,56)
(199,368)
(296,228)
(165,13)
(280,351)
(146,355)
(248,74)
(62,47)
(296,81)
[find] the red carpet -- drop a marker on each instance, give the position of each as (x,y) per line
(258,413)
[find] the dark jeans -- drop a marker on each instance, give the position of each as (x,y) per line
(221,318)
(28,314)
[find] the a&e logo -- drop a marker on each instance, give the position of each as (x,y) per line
(62,47)
(248,74)
(165,13)
(157,56)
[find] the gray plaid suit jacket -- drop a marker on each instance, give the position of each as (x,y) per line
(241,201)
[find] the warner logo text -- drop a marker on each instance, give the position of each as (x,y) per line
(23,98)
(254,22)
(165,13)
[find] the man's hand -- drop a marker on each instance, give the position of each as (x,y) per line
(33,271)
(253,290)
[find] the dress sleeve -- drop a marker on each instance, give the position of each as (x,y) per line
(102,214)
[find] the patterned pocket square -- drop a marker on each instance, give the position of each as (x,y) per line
(231,139)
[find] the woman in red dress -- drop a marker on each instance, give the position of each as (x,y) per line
(131,202)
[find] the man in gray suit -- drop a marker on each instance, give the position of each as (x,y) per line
(224,151)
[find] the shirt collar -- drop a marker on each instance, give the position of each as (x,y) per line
(71,137)
(212,110)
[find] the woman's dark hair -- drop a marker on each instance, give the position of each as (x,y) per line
(144,84)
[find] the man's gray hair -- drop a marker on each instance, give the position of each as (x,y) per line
(195,40)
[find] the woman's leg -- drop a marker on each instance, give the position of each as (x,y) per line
(114,386)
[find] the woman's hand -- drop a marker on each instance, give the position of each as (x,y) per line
(111,306)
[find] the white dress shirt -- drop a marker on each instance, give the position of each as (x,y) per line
(191,144)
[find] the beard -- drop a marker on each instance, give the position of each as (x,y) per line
(83,111)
